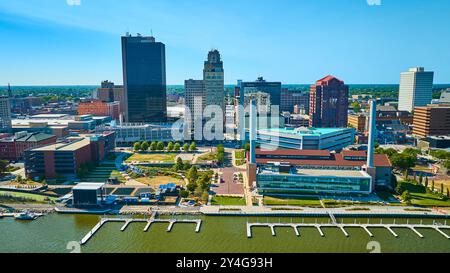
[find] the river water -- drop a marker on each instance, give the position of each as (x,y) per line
(52,233)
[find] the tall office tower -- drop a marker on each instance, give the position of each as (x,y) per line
(416,89)
(109,92)
(328,103)
(5,112)
(144,78)
(194,92)
(213,77)
(291,98)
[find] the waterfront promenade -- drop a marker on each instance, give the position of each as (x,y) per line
(364,211)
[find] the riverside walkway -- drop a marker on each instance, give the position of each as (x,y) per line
(149,222)
(296,226)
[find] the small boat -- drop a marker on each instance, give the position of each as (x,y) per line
(26,216)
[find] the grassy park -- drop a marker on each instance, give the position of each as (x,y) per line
(149,157)
(228,201)
(285,201)
(19,197)
(160,180)
(417,194)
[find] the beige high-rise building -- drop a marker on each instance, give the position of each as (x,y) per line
(213,78)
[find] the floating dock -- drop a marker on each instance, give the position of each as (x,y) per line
(128,221)
(389,227)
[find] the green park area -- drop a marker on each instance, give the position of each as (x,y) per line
(307,201)
(19,197)
(417,194)
(228,201)
(152,157)
(161,180)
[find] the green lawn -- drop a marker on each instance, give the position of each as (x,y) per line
(428,200)
(228,201)
(299,201)
(148,157)
(34,197)
(207,157)
(421,197)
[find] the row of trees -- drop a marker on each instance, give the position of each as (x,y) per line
(220,154)
(159,146)
(401,161)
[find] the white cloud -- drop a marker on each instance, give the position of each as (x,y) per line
(73,2)
(374,2)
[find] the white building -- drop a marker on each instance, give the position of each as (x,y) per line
(416,89)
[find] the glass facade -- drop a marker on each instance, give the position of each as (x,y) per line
(279,183)
(144,73)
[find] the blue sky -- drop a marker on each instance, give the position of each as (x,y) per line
(48,42)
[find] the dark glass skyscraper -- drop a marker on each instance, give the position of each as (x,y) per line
(144,78)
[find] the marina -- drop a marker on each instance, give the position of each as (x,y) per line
(218,234)
(296,226)
(149,222)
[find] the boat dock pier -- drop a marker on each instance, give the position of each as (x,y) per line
(341,226)
(128,221)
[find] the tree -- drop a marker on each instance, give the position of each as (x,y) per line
(144,146)
(426,182)
(220,158)
(170,147)
(177,147)
(356,106)
(411,151)
(3,165)
(448,193)
(205,196)
(184,194)
(160,146)
(204,182)
(406,196)
(421,179)
(192,174)
(442,188)
(403,161)
(193,146)
(179,165)
(186,147)
(191,187)
(247,146)
(432,186)
(153,146)
(137,146)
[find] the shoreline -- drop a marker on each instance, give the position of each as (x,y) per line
(242,211)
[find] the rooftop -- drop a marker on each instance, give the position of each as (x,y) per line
(322,172)
(302,131)
(71,146)
(89,186)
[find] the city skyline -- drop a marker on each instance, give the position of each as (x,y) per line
(80,44)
